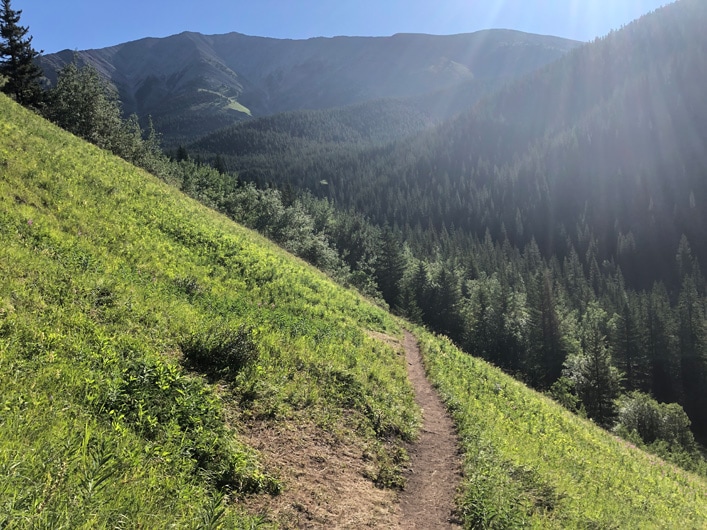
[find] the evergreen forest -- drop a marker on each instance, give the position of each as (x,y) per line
(567,205)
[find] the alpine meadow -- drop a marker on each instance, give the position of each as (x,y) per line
(224,259)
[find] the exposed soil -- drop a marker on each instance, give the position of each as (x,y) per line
(435,467)
(324,478)
(327,480)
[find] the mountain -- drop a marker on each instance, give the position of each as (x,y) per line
(562,212)
(192,83)
(149,345)
(605,144)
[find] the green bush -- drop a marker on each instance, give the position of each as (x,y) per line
(653,421)
(221,351)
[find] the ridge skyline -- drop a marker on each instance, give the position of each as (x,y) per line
(77,25)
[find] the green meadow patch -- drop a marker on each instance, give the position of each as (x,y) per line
(134,321)
(531,463)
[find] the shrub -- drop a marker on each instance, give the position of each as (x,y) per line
(221,351)
(654,421)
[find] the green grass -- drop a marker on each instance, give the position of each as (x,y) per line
(231,103)
(107,277)
(530,463)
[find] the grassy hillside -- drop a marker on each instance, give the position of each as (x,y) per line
(140,332)
(530,463)
(111,283)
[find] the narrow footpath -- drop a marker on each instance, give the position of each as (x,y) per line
(435,467)
(327,478)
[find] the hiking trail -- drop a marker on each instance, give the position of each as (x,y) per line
(435,468)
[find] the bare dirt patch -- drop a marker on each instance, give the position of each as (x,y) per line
(325,480)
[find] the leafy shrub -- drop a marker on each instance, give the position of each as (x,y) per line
(661,428)
(654,421)
(188,285)
(158,401)
(220,351)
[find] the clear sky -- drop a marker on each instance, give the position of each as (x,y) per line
(83,24)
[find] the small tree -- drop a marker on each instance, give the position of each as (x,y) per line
(651,421)
(595,379)
(17,60)
(83,104)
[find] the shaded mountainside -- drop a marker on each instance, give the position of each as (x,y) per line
(604,148)
(263,150)
(145,341)
(192,83)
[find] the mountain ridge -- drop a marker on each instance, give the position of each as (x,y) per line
(205,82)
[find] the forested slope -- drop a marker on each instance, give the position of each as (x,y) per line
(557,223)
(263,150)
(608,140)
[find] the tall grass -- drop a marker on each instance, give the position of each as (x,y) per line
(530,463)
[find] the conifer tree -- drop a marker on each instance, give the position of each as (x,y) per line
(595,380)
(547,352)
(390,267)
(17,59)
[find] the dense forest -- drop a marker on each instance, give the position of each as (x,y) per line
(554,229)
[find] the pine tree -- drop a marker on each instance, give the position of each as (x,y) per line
(390,267)
(692,341)
(595,380)
(661,345)
(419,285)
(17,60)
(547,352)
(628,339)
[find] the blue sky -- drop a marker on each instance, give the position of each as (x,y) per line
(82,24)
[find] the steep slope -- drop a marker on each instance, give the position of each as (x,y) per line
(116,293)
(192,83)
(121,300)
(530,463)
(263,150)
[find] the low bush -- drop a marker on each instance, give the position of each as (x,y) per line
(221,351)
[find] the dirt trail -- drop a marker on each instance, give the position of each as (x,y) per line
(435,468)
(327,478)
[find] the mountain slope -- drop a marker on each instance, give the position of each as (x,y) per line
(119,300)
(530,463)
(192,83)
(262,150)
(112,283)
(609,140)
